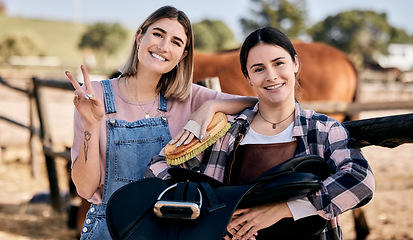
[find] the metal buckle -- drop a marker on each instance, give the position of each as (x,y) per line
(177,209)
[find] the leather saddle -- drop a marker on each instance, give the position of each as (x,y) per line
(192,205)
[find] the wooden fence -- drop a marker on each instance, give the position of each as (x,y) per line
(37,106)
(354,108)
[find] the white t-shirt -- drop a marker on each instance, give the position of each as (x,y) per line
(252,137)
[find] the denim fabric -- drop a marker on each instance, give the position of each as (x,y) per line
(130,147)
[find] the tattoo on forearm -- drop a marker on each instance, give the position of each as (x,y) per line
(86,143)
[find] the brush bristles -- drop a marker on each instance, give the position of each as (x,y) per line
(198,150)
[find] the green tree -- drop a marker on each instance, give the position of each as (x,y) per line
(104,39)
(400,36)
(287,15)
(21,44)
(358,33)
(213,35)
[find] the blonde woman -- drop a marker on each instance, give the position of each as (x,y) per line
(121,123)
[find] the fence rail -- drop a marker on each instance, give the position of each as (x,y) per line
(35,99)
(353,108)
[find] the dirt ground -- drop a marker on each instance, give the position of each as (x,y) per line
(389,215)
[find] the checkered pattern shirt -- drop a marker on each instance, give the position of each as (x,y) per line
(351,182)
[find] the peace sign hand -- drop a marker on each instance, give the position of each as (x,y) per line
(89,107)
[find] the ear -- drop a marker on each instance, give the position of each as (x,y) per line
(184,54)
(296,64)
(249,80)
(138,37)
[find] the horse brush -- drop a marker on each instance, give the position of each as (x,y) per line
(216,129)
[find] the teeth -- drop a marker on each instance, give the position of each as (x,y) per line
(274,86)
(158,57)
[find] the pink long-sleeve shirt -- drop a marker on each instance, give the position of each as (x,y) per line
(178,115)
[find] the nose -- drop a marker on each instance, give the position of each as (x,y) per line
(271,75)
(162,46)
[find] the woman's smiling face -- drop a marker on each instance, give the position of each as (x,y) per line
(162,46)
(271,72)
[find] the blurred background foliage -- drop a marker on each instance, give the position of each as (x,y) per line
(287,15)
(213,35)
(359,33)
(21,44)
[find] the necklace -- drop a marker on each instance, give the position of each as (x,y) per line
(140,104)
(274,125)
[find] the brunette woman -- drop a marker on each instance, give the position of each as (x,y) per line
(278,129)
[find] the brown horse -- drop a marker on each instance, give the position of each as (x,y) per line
(326,73)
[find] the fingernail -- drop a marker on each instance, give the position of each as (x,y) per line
(178,144)
(86,97)
(172,142)
(186,142)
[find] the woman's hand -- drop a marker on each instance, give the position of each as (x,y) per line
(202,117)
(246,223)
(89,107)
(204,114)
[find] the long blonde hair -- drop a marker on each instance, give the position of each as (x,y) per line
(177,82)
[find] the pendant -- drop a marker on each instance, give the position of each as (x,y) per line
(274,126)
(147,115)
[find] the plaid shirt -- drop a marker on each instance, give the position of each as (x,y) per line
(350,185)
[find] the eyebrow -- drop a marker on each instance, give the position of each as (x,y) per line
(259,64)
(164,32)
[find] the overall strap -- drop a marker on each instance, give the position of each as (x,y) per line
(109,96)
(163,103)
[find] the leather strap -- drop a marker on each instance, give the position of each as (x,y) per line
(173,231)
(180,191)
(194,128)
(191,192)
(185,191)
(211,197)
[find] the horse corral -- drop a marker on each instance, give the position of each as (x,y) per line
(326,73)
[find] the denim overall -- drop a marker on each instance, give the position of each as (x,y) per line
(130,147)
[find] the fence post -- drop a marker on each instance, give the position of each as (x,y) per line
(211,83)
(47,143)
(33,156)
